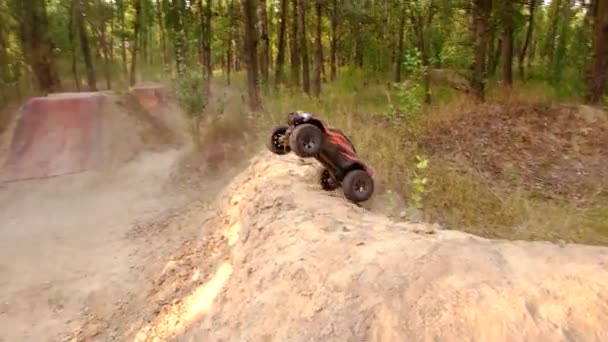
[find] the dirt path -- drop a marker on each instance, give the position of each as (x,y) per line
(69,252)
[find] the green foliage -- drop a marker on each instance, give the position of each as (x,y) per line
(419,182)
(410,93)
(191,95)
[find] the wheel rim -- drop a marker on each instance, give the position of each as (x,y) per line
(361,186)
(278,140)
(309,143)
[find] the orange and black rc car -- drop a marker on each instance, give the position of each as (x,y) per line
(309,137)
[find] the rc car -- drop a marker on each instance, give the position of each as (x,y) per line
(310,137)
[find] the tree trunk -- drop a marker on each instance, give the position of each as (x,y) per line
(111,43)
(481,13)
(249,14)
(205,42)
(265,40)
(421,26)
(144,41)
(425,41)
(161,27)
(554,13)
(73,45)
(399,57)
(304,46)
(278,79)
(229,59)
(295,53)
(4,63)
(37,45)
(207,46)
(136,27)
(123,36)
(106,55)
(175,23)
(318,53)
(528,39)
(507,43)
(598,66)
(334,41)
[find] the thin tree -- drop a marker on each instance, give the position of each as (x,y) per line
(71,30)
(528,39)
(249,15)
(507,43)
(161,28)
(207,45)
(295,52)
(333,44)
(304,46)
(481,12)
(422,17)
(229,43)
(265,42)
(399,57)
(122,9)
(318,52)
(280,64)
(136,28)
(554,14)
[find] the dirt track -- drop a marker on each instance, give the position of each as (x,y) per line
(64,250)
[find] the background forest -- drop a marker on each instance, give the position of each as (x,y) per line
(470,110)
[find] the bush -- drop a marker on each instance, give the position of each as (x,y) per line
(193,99)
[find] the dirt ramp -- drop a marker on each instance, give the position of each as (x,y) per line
(54,136)
(74,132)
(284,261)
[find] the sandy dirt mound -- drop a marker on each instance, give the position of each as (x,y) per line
(281,260)
(73,132)
(555,150)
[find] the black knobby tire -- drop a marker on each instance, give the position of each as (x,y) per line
(276,142)
(328,182)
(358,186)
(306,140)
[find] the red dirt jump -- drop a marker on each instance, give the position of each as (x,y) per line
(55,135)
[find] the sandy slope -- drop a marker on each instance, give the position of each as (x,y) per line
(280,260)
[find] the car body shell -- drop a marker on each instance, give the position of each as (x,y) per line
(338,153)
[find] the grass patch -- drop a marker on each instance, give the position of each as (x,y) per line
(457,196)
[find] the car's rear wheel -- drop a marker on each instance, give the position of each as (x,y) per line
(277,143)
(328,182)
(306,140)
(358,186)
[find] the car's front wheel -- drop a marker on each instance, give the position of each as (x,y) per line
(358,186)
(306,140)
(277,143)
